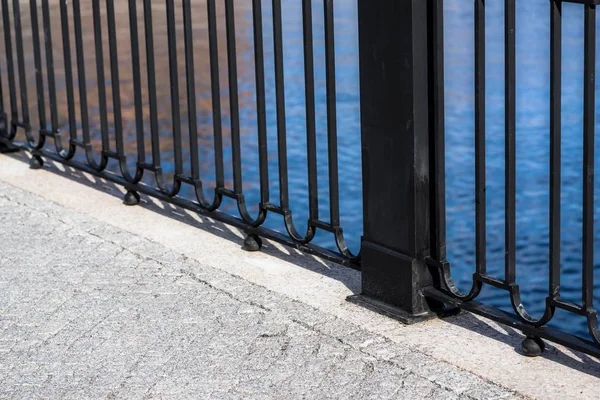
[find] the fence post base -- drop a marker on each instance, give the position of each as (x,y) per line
(395,279)
(392,285)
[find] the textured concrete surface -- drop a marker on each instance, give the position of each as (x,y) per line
(88,310)
(98,300)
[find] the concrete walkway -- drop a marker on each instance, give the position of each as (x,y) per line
(90,310)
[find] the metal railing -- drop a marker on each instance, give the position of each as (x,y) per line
(534,327)
(405,272)
(78,135)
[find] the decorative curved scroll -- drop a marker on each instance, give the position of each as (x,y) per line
(340,242)
(65,153)
(245,214)
(139,171)
(288,220)
(521,312)
(512,288)
(204,204)
(162,185)
(311,232)
(89,155)
(35,144)
(592,320)
(448,282)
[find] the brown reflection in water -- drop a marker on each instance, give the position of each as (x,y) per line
(201,58)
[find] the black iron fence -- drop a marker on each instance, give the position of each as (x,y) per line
(114,146)
(520,318)
(403,261)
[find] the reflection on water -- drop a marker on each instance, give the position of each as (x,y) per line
(532,124)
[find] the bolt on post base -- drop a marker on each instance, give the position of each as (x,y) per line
(131,198)
(36,162)
(252,243)
(533,346)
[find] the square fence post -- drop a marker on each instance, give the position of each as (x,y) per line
(394,81)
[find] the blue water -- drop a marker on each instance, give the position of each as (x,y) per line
(532,131)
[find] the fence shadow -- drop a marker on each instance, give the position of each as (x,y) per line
(347,276)
(513,337)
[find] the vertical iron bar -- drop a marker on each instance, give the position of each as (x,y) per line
(114,76)
(311,129)
(174,78)
(137,82)
(50,66)
(98,44)
(83,104)
(510,143)
(37,60)
(280,105)
(233,97)
(261,109)
(215,92)
(4,124)
(68,69)
(588,154)
(438,150)
(151,83)
(555,143)
(191,88)
(10,67)
(334,196)
(21,63)
(480,181)
(2,111)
